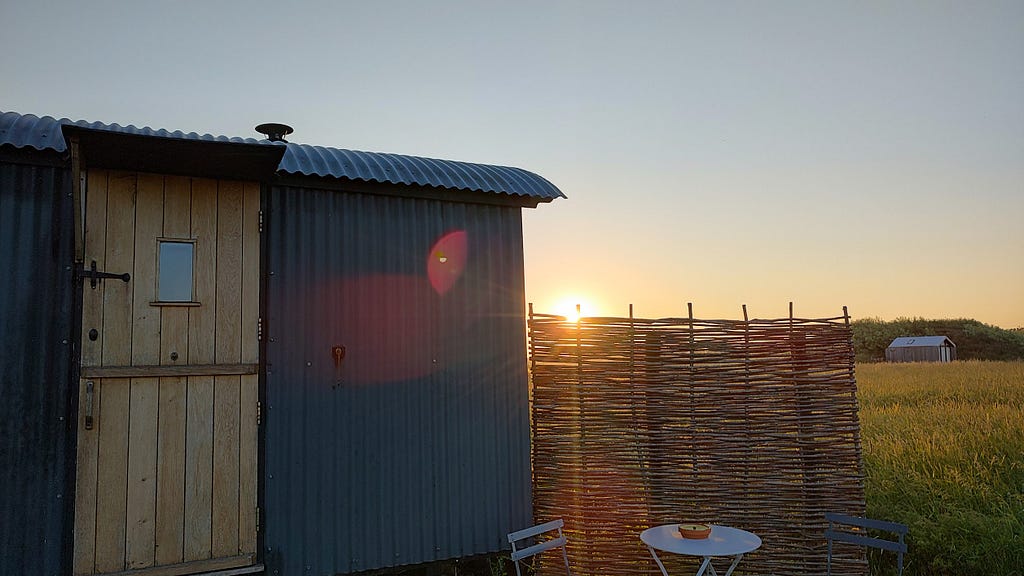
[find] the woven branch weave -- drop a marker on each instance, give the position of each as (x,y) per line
(751,424)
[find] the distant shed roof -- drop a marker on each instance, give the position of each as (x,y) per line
(44,133)
(917,341)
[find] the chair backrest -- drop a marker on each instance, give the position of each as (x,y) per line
(546,537)
(858,535)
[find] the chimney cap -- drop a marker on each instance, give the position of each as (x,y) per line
(275,132)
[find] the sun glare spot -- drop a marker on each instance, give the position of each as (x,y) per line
(572,309)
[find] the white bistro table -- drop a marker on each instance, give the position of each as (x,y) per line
(723,541)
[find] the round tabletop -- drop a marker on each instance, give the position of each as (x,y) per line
(723,541)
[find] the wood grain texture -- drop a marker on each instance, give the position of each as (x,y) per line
(199,468)
(112,420)
(225,469)
(250,273)
(220,566)
(140,537)
(168,371)
(170,488)
(112,474)
(229,272)
(95,250)
(177,207)
(148,227)
(248,480)
(84,559)
(120,253)
(170,513)
(202,321)
(249,393)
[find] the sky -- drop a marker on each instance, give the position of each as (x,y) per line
(829,154)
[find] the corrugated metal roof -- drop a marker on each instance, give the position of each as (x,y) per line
(43,133)
(908,341)
(399,169)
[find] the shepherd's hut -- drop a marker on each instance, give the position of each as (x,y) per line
(256,355)
(921,349)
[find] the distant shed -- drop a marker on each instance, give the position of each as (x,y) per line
(921,349)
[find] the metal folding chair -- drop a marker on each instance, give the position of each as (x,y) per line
(858,535)
(547,536)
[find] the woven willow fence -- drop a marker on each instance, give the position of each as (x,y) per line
(751,424)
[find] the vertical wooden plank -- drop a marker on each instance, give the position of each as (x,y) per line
(120,254)
(199,469)
(229,271)
(140,538)
(112,459)
(84,560)
(225,469)
(148,227)
(170,491)
(202,320)
(112,469)
(249,393)
(95,248)
(247,464)
(228,350)
(140,541)
(202,325)
(85,487)
(250,348)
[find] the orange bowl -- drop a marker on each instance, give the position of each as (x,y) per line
(694,531)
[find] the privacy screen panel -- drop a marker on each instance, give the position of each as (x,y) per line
(751,424)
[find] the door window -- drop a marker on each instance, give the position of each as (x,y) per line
(175,271)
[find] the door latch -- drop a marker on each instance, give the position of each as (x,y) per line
(94,276)
(89,391)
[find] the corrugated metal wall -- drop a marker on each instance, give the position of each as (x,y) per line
(36,244)
(414,447)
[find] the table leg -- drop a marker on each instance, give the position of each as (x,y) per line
(658,560)
(735,562)
(707,565)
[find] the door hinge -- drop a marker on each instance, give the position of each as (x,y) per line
(259,329)
(257,519)
(261,222)
(259,413)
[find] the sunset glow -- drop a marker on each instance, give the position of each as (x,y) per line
(573,309)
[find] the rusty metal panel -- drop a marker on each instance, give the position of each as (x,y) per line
(36,427)
(396,420)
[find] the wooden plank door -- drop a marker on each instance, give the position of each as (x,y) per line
(167,432)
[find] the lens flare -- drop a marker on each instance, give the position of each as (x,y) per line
(447,261)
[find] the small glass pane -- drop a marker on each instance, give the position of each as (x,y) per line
(175,272)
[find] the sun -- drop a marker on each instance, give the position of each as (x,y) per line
(573,309)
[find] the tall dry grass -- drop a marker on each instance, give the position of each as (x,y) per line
(944,453)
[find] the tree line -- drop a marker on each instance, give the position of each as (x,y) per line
(974,340)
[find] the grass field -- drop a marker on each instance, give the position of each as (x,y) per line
(944,453)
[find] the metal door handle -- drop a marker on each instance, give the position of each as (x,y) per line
(89,388)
